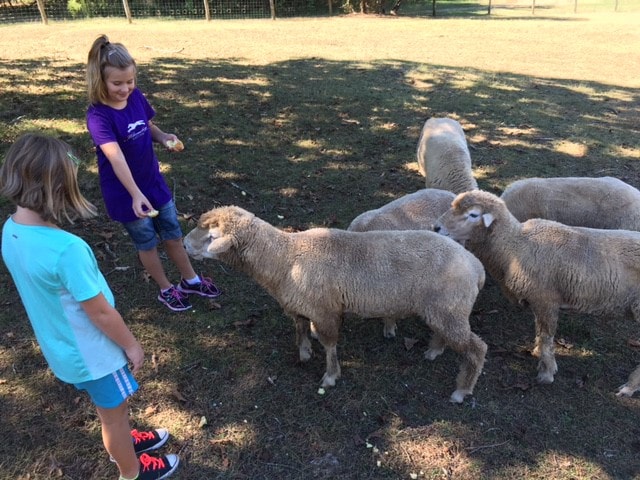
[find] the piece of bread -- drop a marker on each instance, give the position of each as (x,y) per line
(175,145)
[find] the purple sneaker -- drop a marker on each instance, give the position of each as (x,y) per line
(206,288)
(175,300)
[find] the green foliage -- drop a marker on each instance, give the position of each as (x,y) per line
(77,8)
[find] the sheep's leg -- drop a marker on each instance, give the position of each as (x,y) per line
(389,330)
(473,357)
(327,331)
(546,320)
(436,346)
(632,385)
(302,338)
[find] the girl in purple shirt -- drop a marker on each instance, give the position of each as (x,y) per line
(119,120)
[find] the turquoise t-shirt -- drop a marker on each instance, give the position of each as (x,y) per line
(54,271)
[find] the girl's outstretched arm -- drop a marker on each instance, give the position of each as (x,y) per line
(140,204)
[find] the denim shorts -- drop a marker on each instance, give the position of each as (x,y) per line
(146,233)
(111,390)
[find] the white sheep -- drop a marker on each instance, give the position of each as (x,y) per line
(550,266)
(320,274)
(414,211)
(602,202)
(443,156)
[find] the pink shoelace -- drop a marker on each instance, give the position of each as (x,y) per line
(141,436)
(150,463)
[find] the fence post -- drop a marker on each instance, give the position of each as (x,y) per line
(127,10)
(207,13)
(43,12)
(272,7)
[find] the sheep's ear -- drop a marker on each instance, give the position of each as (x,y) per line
(220,245)
(487,219)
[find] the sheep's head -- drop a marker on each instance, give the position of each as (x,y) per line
(216,232)
(471,214)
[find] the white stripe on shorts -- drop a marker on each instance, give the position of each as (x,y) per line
(123,383)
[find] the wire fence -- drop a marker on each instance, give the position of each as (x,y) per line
(15,11)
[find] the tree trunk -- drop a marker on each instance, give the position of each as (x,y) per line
(127,10)
(272,7)
(43,12)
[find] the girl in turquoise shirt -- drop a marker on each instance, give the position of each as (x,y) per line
(69,304)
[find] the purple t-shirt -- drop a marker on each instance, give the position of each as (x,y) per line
(130,128)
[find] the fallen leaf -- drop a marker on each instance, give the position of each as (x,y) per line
(524,386)
(634,343)
(245,323)
(213,305)
(151,410)
(177,394)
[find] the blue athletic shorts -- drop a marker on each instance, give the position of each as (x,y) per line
(111,390)
(147,232)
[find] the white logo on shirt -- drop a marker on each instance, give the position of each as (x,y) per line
(132,126)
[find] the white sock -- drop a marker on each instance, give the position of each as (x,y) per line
(194,281)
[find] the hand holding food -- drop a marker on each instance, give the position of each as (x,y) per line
(175,145)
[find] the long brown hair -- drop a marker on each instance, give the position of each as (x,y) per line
(41,173)
(104,54)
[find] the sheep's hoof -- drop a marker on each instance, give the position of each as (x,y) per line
(458,396)
(545,377)
(328,380)
(433,353)
(389,331)
(305,354)
(625,391)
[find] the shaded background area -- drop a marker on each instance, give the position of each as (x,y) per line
(309,123)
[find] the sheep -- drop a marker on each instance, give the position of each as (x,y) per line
(443,156)
(320,274)
(414,211)
(603,202)
(549,266)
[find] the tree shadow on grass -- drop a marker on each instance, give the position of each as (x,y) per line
(314,143)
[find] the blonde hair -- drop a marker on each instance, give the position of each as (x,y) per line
(104,54)
(40,173)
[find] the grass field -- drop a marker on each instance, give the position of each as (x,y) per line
(308,123)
